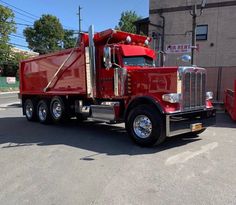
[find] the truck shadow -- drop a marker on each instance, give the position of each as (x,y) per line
(97,137)
(223,120)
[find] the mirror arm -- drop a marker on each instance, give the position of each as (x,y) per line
(117,65)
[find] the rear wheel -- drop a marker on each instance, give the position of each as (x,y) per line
(30,111)
(43,112)
(58,110)
(145,126)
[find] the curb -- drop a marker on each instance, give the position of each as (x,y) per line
(5,93)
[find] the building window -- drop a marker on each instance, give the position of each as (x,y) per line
(202,31)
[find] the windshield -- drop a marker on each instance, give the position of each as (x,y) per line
(138,61)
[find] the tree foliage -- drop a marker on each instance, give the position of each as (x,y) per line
(46,35)
(126,22)
(7,26)
(11,67)
(69,40)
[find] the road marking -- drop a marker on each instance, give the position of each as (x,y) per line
(2,109)
(185,156)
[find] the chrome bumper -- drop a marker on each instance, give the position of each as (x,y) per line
(180,123)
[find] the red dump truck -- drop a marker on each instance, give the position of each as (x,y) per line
(111,77)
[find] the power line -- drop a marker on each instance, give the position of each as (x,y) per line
(38,49)
(27,14)
(19,9)
(24,20)
(18,36)
(16,44)
(17,23)
(24,46)
(24,14)
(22,24)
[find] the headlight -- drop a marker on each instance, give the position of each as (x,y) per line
(209,95)
(172,97)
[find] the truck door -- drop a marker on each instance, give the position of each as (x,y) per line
(106,78)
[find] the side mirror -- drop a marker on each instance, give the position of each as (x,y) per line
(107,57)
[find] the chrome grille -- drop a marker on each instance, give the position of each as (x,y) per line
(194,88)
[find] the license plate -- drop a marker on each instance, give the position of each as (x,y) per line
(196,127)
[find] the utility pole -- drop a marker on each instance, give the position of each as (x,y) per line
(194,15)
(80,20)
(194,26)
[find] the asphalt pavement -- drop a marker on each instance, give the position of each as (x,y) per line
(9,97)
(96,163)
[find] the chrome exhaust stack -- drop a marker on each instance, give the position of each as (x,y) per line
(92,63)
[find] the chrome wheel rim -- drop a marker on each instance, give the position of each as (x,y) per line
(56,110)
(42,112)
(29,110)
(142,126)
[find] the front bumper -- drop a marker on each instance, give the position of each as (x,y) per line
(180,123)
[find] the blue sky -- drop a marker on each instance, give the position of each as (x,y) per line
(103,14)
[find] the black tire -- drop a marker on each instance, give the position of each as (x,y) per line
(30,110)
(43,112)
(155,126)
(58,110)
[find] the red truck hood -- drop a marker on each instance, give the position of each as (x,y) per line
(153,82)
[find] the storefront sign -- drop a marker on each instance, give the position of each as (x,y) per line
(179,48)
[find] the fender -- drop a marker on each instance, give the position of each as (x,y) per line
(143,100)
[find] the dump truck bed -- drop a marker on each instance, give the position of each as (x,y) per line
(36,73)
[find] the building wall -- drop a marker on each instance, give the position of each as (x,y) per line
(219,50)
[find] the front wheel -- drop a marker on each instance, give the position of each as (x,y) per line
(145,126)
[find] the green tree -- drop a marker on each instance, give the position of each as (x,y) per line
(11,67)
(69,40)
(126,22)
(7,26)
(15,60)
(46,35)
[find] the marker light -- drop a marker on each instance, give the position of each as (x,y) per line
(209,95)
(128,39)
(146,42)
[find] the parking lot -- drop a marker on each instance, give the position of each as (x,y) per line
(96,163)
